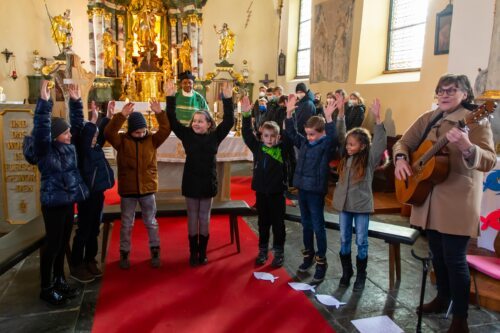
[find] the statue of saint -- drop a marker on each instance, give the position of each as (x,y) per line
(185,53)
(144,28)
(62,29)
(226,41)
(109,49)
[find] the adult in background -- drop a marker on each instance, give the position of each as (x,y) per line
(450,213)
(304,109)
(353,116)
(188,100)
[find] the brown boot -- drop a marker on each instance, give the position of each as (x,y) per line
(458,325)
(437,305)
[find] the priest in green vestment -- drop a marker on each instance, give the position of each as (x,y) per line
(188,100)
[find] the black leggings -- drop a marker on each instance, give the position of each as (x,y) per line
(271,214)
(58,224)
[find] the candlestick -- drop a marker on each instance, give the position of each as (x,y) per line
(239,107)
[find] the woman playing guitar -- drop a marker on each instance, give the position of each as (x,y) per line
(450,212)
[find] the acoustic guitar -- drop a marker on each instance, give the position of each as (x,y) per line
(430,168)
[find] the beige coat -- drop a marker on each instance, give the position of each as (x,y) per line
(453,206)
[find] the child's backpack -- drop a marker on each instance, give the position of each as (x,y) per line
(29,149)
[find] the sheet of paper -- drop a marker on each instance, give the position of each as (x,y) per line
(301,286)
(329,300)
(380,324)
(265,276)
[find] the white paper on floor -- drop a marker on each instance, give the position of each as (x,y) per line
(329,300)
(265,276)
(301,286)
(380,324)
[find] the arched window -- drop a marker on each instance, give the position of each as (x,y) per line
(304,40)
(406,34)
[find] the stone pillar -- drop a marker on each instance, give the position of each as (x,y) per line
(173,43)
(92,55)
(98,18)
(193,35)
(200,48)
(121,42)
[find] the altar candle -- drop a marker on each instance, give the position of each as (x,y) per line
(215,107)
(239,107)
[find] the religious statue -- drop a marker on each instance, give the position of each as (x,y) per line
(109,49)
(185,53)
(62,30)
(144,28)
(226,41)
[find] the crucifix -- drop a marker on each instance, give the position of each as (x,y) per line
(266,80)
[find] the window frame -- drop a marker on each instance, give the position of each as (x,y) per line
(388,47)
(298,43)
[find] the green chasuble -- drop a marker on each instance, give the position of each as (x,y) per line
(186,106)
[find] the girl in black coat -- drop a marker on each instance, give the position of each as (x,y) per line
(201,140)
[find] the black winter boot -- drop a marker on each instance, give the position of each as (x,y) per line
(193,250)
(202,250)
(279,258)
(63,287)
(262,256)
(52,296)
(359,284)
(321,266)
(347,271)
(308,260)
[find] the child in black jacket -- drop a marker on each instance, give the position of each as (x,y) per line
(98,176)
(201,140)
(269,182)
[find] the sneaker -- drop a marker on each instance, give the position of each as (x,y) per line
(52,296)
(261,257)
(64,288)
(124,261)
(308,260)
(278,260)
(155,257)
(93,268)
(321,266)
(81,274)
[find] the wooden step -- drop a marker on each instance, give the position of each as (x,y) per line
(489,291)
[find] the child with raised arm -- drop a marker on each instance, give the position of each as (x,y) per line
(61,186)
(98,176)
(311,179)
(269,182)
(353,196)
(137,174)
(200,139)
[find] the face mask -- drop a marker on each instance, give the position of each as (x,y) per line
(271,98)
(262,94)
(316,100)
(262,108)
(300,95)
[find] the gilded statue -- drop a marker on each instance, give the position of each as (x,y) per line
(109,49)
(226,41)
(144,28)
(185,53)
(62,30)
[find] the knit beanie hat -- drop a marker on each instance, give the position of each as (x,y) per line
(58,126)
(301,87)
(136,121)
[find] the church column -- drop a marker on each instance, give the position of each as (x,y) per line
(121,41)
(108,24)
(98,18)
(91,41)
(173,43)
(200,47)
(193,34)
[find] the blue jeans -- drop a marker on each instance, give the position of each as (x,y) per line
(361,221)
(451,268)
(313,220)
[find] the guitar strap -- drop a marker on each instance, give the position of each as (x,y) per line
(429,126)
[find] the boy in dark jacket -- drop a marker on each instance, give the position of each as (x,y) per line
(60,187)
(311,178)
(269,182)
(98,176)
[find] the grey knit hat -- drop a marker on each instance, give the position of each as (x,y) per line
(58,126)
(136,121)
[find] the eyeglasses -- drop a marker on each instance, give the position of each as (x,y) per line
(449,91)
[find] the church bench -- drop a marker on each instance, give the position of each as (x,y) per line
(232,208)
(20,243)
(393,235)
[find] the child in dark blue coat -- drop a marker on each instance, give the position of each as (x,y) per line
(98,176)
(60,187)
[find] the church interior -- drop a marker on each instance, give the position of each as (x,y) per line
(129,50)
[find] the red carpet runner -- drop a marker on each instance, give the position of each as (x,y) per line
(222,296)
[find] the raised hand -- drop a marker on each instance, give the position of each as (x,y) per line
(93,114)
(74,91)
(44,90)
(170,88)
(128,109)
(245,104)
(339,105)
(227,89)
(111,109)
(375,110)
(330,108)
(155,106)
(290,105)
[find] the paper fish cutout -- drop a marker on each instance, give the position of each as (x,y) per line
(492,181)
(329,300)
(491,221)
(265,276)
(301,286)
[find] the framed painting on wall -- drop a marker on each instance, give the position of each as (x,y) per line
(443,29)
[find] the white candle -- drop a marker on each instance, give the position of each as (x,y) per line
(239,107)
(215,107)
